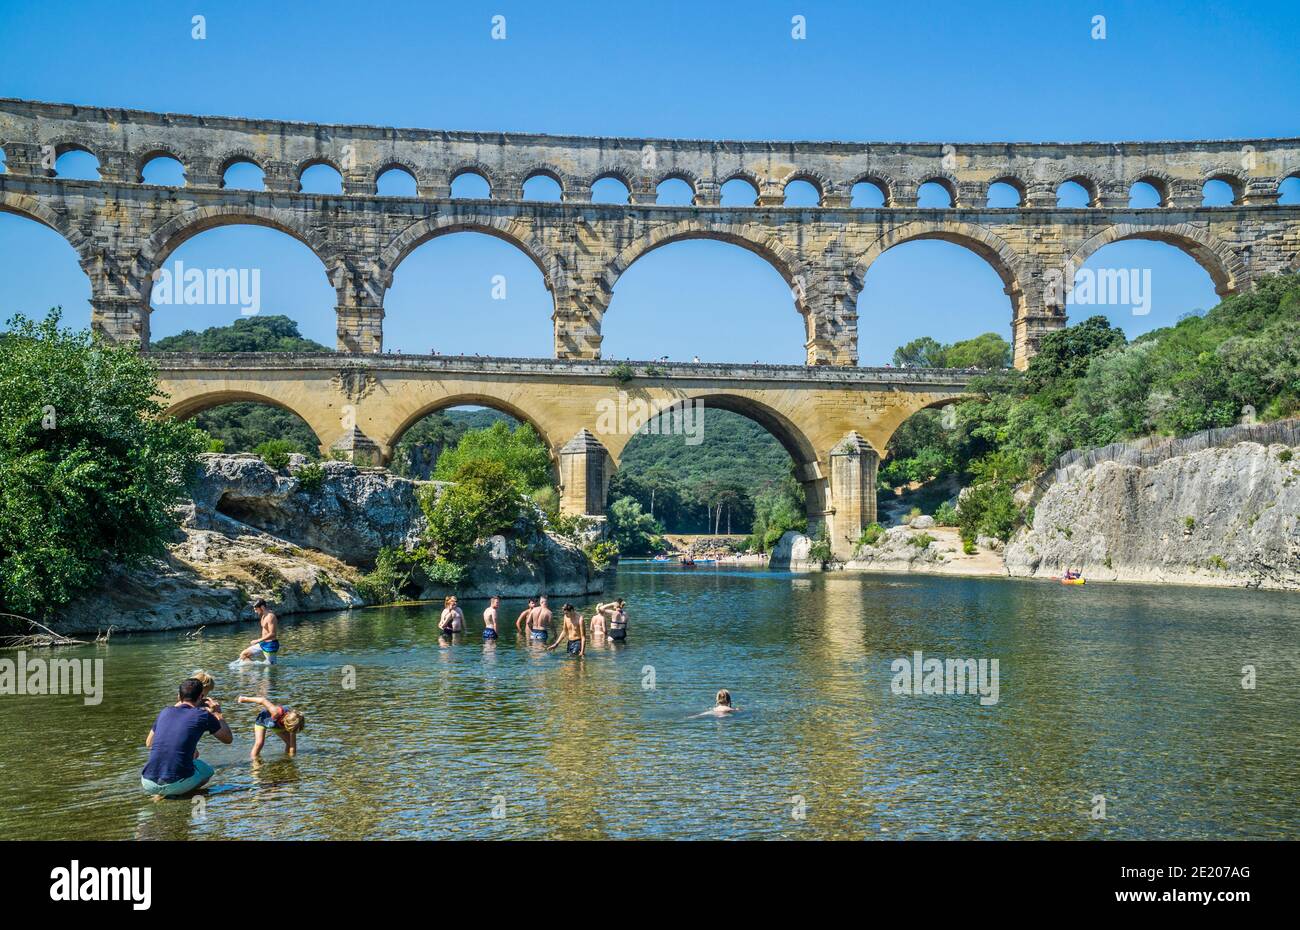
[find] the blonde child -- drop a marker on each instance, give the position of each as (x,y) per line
(283,721)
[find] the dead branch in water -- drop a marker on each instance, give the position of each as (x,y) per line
(35,640)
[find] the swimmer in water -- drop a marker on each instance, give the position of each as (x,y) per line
(453,618)
(539,621)
(573,633)
(267,644)
(490,618)
(522,620)
(616,612)
(597,625)
(722,706)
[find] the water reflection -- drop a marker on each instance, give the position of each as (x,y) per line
(1128,692)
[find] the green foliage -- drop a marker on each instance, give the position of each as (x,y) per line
(484,500)
(777,510)
(520,452)
(392,573)
(442,572)
(261,333)
(870,536)
(89,470)
(622,372)
(819,550)
(988,509)
(633,531)
(216,445)
(602,554)
(1189,523)
(920,540)
(1284,455)
(987,351)
(968,546)
(310,478)
(437,432)
(946,515)
(276,452)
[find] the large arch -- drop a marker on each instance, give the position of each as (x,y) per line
(1223,267)
(33,209)
(171,235)
(984,243)
(191,406)
(415,235)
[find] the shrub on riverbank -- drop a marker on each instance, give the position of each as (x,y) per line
(89,470)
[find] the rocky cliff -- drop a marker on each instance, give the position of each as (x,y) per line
(253,531)
(1222,516)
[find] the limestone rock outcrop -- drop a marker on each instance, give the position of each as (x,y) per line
(1221,516)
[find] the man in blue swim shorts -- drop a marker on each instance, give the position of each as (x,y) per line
(267,644)
(539,621)
(173,741)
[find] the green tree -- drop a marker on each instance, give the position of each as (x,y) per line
(520,452)
(633,531)
(89,469)
(925,352)
(484,500)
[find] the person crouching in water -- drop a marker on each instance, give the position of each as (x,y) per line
(267,644)
(284,722)
(573,633)
(174,767)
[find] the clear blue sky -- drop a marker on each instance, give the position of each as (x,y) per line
(937,71)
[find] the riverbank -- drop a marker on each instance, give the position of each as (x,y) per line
(304,538)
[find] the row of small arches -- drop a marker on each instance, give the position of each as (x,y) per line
(321,177)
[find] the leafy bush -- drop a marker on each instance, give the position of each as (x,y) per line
(602,554)
(968,546)
(276,452)
(820,548)
(988,509)
(633,531)
(483,501)
(442,572)
(520,452)
(392,573)
(871,535)
(921,540)
(216,445)
(89,469)
(946,515)
(310,478)
(622,372)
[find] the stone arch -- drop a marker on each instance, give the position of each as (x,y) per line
(689,178)
(192,405)
(884,183)
(72,143)
(1091,184)
(979,240)
(462,399)
(234,156)
(499,227)
(945,180)
(1223,267)
(757,239)
(1236,180)
(33,209)
(1014,181)
(1162,183)
(151,151)
(566,184)
(820,182)
(474,167)
(400,164)
(312,161)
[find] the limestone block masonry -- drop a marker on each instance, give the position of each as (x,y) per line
(124,230)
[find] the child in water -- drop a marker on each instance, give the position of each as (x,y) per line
(722,705)
(283,721)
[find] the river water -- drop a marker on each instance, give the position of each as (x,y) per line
(1131,693)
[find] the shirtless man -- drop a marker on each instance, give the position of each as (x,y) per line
(616,613)
(539,621)
(522,620)
(266,644)
(573,633)
(490,618)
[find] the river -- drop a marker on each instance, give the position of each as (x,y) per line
(1131,693)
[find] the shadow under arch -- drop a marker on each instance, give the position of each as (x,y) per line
(1223,267)
(193,406)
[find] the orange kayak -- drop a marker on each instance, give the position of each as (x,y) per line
(1072,581)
